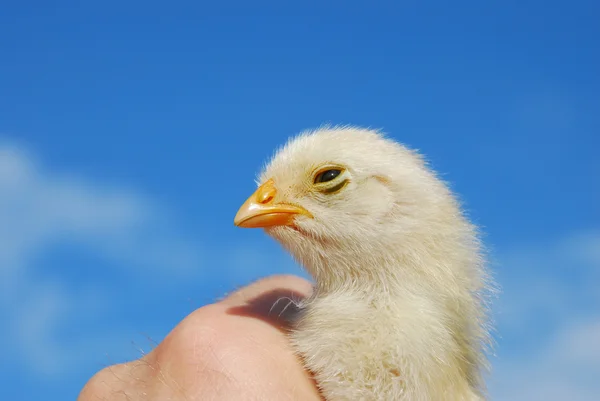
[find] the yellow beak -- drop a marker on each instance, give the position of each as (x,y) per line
(260,209)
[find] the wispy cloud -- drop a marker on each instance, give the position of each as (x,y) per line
(40,211)
(553,280)
(549,322)
(564,367)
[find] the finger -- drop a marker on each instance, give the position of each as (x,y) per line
(274,300)
(115,382)
(240,341)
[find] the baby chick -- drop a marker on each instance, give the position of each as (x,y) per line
(398,311)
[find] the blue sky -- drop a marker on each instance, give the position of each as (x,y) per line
(131,132)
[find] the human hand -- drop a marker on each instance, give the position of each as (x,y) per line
(235,349)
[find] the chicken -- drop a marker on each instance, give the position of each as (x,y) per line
(398,310)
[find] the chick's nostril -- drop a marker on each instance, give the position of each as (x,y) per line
(266,195)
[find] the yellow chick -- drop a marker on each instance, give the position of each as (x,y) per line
(398,311)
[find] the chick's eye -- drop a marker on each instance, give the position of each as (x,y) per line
(327,175)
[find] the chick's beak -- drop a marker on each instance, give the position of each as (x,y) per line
(260,209)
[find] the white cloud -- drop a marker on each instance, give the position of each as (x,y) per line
(39,317)
(584,248)
(564,368)
(39,211)
(551,280)
(550,318)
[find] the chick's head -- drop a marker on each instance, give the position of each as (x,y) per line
(343,199)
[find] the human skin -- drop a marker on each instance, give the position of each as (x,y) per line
(234,349)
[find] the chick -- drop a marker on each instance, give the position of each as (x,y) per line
(398,311)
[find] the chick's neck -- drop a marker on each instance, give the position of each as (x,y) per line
(375,275)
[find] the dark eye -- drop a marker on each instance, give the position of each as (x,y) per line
(327,175)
